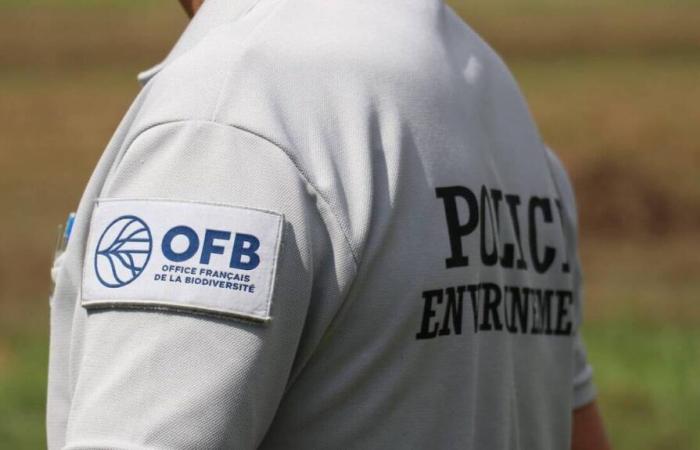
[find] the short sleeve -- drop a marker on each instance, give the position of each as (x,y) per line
(584,389)
(582,383)
(204,363)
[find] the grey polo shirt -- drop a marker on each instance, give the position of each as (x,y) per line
(321,225)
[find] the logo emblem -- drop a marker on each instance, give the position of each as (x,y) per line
(123,251)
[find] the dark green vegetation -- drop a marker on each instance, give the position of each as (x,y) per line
(613,85)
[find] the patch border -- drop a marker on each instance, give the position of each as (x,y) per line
(160,305)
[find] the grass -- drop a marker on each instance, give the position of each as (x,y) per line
(613,85)
(23,368)
(647,382)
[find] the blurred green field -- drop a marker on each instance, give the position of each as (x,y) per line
(615,87)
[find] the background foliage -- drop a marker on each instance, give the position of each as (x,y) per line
(613,85)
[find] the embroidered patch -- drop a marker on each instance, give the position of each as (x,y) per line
(199,257)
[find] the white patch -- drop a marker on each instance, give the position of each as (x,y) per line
(199,257)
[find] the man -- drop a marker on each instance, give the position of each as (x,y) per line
(323,225)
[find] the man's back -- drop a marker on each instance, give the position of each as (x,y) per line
(422,290)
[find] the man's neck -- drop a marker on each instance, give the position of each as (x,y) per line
(191,6)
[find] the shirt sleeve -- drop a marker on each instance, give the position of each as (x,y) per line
(177,374)
(583,387)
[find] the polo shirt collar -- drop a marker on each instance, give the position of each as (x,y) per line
(212,14)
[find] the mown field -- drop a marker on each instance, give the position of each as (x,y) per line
(615,87)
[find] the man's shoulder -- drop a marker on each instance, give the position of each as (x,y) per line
(298,53)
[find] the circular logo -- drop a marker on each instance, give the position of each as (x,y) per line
(123,251)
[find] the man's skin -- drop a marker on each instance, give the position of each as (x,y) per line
(588,432)
(191,6)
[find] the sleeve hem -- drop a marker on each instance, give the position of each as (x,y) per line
(584,395)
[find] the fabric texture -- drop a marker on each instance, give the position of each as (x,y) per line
(427,291)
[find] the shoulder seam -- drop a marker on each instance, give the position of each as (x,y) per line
(285,151)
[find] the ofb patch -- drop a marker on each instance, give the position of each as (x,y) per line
(198,257)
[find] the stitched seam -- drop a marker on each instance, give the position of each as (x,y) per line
(161,306)
(170,200)
(287,153)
